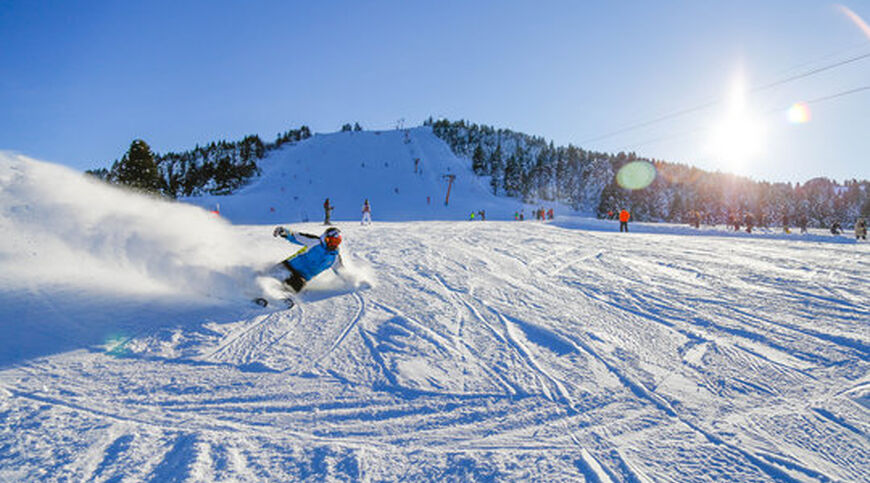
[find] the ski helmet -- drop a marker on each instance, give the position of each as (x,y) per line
(331,238)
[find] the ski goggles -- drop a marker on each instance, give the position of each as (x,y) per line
(332,242)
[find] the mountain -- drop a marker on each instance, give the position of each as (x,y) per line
(480,351)
(525,171)
(401,172)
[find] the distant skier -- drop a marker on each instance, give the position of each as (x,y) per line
(327,212)
(624,216)
(802,223)
(861,229)
(836,229)
(317,254)
(749,221)
(366,214)
(732,222)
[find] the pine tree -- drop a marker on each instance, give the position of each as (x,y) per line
(513,173)
(138,168)
(478,161)
(496,169)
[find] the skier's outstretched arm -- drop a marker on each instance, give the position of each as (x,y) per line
(339,268)
(299,238)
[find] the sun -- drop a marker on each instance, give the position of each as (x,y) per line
(737,137)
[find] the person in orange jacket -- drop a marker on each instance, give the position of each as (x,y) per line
(624,216)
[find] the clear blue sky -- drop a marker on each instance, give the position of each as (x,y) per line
(80,80)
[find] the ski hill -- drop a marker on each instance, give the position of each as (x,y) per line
(403,173)
(475,351)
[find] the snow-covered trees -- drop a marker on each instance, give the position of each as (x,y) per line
(586,180)
(217,168)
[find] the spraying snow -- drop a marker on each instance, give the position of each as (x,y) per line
(61,226)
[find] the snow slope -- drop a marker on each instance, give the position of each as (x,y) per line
(483,351)
(349,167)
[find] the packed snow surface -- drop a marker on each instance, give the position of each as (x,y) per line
(498,350)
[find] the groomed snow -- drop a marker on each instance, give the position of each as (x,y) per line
(493,350)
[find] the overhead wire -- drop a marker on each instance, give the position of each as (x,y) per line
(708,104)
(766,113)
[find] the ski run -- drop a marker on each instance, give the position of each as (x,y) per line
(457,351)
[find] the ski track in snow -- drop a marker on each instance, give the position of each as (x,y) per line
(612,358)
(482,351)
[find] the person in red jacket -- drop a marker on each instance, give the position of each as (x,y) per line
(624,216)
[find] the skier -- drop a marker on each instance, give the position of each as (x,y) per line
(802,222)
(327,212)
(835,228)
(624,216)
(861,229)
(366,214)
(317,254)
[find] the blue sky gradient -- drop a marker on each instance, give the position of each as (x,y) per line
(80,80)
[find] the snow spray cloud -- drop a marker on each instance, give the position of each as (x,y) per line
(60,226)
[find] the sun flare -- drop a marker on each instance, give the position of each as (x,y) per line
(738,136)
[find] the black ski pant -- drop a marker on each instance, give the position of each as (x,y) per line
(623,226)
(295,280)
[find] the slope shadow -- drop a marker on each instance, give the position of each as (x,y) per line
(33,325)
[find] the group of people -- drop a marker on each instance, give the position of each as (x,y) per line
(366,212)
(478,215)
(541,214)
(749,221)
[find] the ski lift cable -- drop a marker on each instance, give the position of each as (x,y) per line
(766,113)
(718,100)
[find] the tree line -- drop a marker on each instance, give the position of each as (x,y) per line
(217,168)
(529,168)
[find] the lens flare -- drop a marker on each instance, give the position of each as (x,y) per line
(636,175)
(799,113)
(857,20)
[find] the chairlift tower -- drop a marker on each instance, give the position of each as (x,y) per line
(450,178)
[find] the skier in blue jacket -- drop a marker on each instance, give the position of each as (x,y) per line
(317,254)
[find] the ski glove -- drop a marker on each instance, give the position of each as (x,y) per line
(280,231)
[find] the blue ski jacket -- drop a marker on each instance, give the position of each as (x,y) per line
(313,258)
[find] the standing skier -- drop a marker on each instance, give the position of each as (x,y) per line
(861,229)
(317,254)
(366,214)
(624,216)
(327,212)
